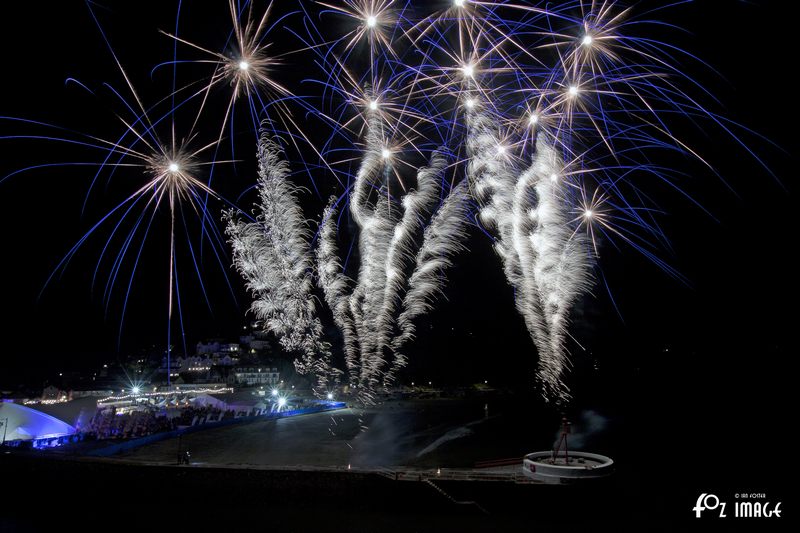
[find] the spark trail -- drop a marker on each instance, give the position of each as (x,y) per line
(403,249)
(273,255)
(544,256)
(555,117)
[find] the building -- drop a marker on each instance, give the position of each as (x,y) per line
(224,360)
(189,387)
(255,376)
(208,348)
(195,364)
(230,348)
(52,393)
(216,347)
(253,344)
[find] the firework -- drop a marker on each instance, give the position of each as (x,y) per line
(390,238)
(554,115)
(403,249)
(551,117)
(544,255)
(247,66)
(273,255)
(442,240)
(168,171)
(403,260)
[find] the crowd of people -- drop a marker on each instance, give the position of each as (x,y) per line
(110,423)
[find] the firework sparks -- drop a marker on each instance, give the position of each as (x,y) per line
(168,173)
(403,249)
(403,252)
(546,109)
(273,255)
(550,115)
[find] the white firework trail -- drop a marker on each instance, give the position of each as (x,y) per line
(376,221)
(336,286)
(545,259)
(417,208)
(492,180)
(403,249)
(273,256)
(442,240)
(562,258)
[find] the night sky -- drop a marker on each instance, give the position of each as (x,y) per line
(723,338)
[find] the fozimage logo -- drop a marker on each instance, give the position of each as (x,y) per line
(743,507)
(708,502)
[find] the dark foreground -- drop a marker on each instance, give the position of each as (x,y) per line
(53,494)
(46,493)
(242,479)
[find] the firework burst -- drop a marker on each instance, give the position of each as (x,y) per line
(161,173)
(542,122)
(273,255)
(553,114)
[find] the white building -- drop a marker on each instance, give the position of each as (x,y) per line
(256,376)
(195,363)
